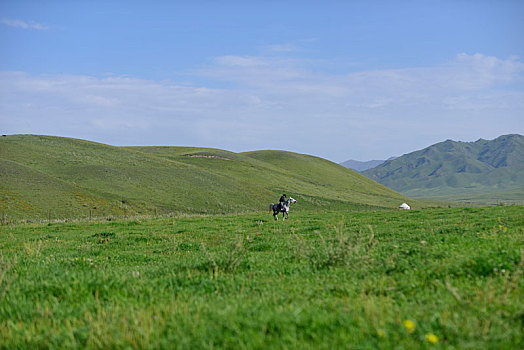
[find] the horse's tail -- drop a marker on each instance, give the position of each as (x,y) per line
(270,206)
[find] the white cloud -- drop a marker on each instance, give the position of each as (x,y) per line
(115,109)
(464,73)
(295,46)
(242,61)
(23,24)
(282,48)
(278,103)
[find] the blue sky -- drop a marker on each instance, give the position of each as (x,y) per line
(337,79)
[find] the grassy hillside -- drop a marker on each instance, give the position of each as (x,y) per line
(62,177)
(424,279)
(458,170)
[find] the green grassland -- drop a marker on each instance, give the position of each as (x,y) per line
(333,279)
(43,176)
(471,197)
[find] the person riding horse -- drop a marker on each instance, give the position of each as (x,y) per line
(282,201)
(282,207)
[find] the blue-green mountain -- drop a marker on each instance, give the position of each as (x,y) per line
(487,170)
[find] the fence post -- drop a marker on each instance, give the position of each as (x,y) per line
(49,215)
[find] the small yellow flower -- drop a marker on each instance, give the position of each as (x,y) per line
(505,229)
(76,259)
(409,325)
(432,338)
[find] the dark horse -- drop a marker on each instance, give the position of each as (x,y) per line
(284,210)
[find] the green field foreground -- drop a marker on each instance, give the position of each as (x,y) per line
(433,278)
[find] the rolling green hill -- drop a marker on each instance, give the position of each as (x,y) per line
(478,171)
(42,175)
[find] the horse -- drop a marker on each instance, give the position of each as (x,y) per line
(284,210)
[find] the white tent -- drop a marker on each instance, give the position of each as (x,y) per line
(404,206)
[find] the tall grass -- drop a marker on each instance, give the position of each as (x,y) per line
(341,249)
(436,278)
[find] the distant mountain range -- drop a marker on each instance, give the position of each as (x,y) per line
(452,169)
(361,166)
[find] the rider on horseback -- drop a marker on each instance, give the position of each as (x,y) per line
(282,201)
(281,207)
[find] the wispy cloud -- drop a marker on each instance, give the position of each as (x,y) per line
(278,103)
(463,73)
(289,47)
(127,110)
(282,48)
(16,23)
(242,61)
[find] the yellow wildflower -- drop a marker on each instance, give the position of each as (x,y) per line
(432,338)
(409,325)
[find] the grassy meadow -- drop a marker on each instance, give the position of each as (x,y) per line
(432,278)
(472,197)
(46,176)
